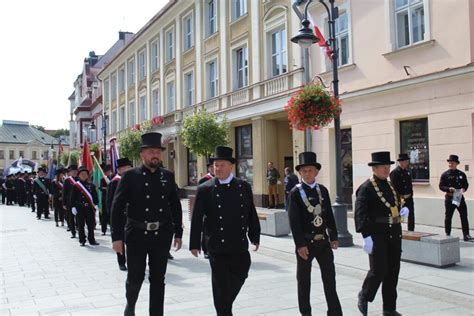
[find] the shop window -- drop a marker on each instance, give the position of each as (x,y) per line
(192,168)
(244,153)
(414,142)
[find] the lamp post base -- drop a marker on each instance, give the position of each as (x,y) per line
(340,216)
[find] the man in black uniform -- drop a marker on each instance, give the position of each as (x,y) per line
(69,183)
(103,218)
(454,181)
(377,218)
(154,215)
(227,204)
(401,180)
(315,234)
(20,189)
(29,188)
(209,175)
(57,192)
(123,164)
(84,205)
(41,193)
(10,189)
(3,189)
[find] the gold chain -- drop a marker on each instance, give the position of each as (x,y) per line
(380,194)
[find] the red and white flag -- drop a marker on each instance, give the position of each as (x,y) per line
(322,41)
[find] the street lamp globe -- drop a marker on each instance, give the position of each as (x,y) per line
(305,36)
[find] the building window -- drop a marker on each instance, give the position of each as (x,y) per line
(114,86)
(143,116)
(131,113)
(122,118)
(155,100)
(113,128)
(241,68)
(189,88)
(169,45)
(192,168)
(244,153)
(212,79)
(142,65)
(34,155)
(239,8)
(131,72)
(170,96)
(409,22)
(188,40)
(2,154)
(155,59)
(21,154)
(121,80)
(414,142)
(211,18)
(106,91)
(342,41)
(12,154)
(279,62)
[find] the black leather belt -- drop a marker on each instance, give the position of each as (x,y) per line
(149,226)
(388,220)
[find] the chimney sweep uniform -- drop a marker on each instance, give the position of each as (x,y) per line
(41,193)
(401,180)
(69,183)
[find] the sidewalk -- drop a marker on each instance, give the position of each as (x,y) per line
(44,272)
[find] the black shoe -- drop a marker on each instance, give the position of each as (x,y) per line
(362,304)
(467,238)
(170,256)
(206,255)
(73,236)
(94,243)
(391,313)
(57,225)
(68,230)
(103,234)
(82,244)
(122,267)
(129,311)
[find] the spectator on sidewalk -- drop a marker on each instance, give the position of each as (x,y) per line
(272,180)
(454,182)
(290,181)
(315,234)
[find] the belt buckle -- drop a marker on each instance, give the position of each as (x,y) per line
(152,226)
(390,220)
(318,237)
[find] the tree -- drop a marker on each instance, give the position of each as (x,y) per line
(203,131)
(130,141)
(40,128)
(73,160)
(59,132)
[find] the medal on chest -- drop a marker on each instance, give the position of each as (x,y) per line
(315,210)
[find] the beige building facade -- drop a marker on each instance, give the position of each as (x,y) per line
(233,58)
(407,86)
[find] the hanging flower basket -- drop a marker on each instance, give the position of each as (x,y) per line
(312,107)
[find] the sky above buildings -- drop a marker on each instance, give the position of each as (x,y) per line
(44,44)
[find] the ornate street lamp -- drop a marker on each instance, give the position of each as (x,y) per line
(305,38)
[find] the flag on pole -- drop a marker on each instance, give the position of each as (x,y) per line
(50,164)
(86,157)
(322,41)
(114,155)
(68,160)
(96,177)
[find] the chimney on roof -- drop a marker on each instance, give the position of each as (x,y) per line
(93,58)
(121,36)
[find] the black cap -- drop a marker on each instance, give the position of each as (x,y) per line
(72,167)
(222,153)
(307,158)
(82,169)
(124,162)
(402,157)
(381,158)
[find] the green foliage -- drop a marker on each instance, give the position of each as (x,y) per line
(74,158)
(38,127)
(202,132)
(94,148)
(130,141)
(59,132)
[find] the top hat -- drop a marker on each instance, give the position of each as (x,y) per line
(124,162)
(307,158)
(402,157)
(151,140)
(72,167)
(381,158)
(222,153)
(454,158)
(82,169)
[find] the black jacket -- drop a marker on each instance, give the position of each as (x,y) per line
(401,180)
(67,189)
(37,190)
(79,199)
(368,207)
(230,216)
(290,181)
(301,221)
(453,179)
(151,197)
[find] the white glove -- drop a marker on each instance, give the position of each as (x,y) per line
(34,196)
(368,245)
(50,196)
(74,211)
(404,212)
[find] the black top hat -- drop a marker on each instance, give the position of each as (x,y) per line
(41,169)
(223,153)
(381,158)
(454,158)
(82,169)
(402,157)
(72,167)
(152,140)
(124,162)
(307,158)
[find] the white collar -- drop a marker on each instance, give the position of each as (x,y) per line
(312,186)
(226,181)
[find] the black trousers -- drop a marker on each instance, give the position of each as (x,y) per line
(58,211)
(411,216)
(229,272)
(42,206)
(86,217)
(462,209)
(104,220)
(384,268)
(122,259)
(4,195)
(321,250)
(157,262)
(21,198)
(10,197)
(32,202)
